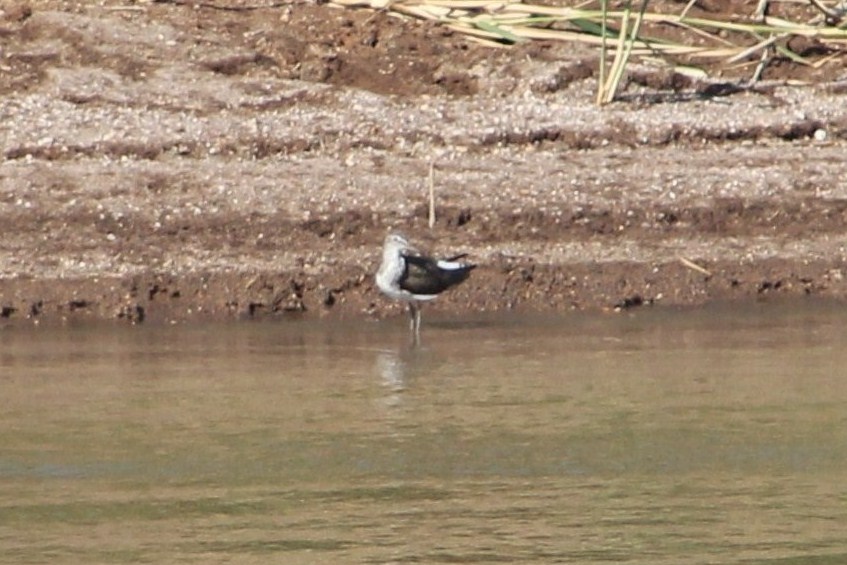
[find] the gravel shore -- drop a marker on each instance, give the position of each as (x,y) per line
(159,164)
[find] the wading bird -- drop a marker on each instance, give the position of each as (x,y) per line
(406,274)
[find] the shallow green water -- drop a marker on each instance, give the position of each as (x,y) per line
(713,436)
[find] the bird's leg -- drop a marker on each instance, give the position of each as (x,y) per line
(413,307)
(415,317)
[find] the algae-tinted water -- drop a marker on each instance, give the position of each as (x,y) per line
(697,436)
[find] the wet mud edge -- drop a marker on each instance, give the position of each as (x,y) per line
(508,285)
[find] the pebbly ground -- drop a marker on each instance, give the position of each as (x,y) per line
(162,161)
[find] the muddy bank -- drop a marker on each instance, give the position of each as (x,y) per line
(507,285)
(168,163)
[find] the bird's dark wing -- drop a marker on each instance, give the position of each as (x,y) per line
(423,275)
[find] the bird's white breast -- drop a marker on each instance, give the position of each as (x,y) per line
(388,276)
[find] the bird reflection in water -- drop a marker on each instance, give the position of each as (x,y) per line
(399,368)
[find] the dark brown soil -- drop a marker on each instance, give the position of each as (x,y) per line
(173,161)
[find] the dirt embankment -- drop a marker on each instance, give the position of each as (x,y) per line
(167,161)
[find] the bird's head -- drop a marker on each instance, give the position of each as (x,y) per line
(396,242)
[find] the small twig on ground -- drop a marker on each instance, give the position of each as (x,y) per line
(750,50)
(694,266)
(431,195)
(761,11)
(827,59)
(760,68)
(607,88)
(687,7)
(601,79)
(833,17)
(624,50)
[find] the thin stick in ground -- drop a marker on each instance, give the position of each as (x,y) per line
(431,195)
